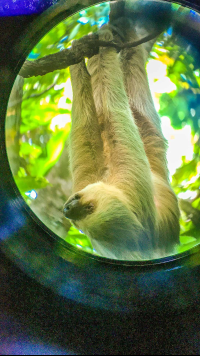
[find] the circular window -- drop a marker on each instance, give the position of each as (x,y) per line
(91,162)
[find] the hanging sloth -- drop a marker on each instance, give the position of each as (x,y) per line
(122,197)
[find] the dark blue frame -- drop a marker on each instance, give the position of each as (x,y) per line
(24,7)
(116,286)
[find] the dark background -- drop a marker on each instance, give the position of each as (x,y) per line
(33,320)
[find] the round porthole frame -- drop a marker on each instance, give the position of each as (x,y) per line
(118,286)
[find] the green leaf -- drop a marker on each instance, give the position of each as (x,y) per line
(179,67)
(187,239)
(74,32)
(26,184)
(30,150)
(54,150)
(78,239)
(181,249)
(184,172)
(196,203)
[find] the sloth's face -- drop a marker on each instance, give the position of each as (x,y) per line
(97,209)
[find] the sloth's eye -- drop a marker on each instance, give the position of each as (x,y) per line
(89,208)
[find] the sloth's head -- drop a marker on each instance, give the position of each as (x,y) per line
(102,212)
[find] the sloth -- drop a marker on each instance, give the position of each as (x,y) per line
(122,197)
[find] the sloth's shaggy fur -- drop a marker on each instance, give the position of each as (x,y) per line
(118,156)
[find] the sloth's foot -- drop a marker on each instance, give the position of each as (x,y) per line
(105,33)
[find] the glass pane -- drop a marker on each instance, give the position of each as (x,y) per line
(120,204)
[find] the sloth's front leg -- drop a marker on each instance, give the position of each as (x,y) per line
(86,148)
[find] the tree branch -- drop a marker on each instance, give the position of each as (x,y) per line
(87,46)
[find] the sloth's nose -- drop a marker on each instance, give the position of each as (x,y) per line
(73,209)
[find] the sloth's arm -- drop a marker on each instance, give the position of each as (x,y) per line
(86,148)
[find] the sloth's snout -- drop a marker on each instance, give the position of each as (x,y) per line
(72,209)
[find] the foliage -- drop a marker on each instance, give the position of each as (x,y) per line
(80,240)
(182,106)
(46,110)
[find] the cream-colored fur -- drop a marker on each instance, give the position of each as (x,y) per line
(118,155)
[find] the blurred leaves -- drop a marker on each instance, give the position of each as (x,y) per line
(184,174)
(46,112)
(182,106)
(54,148)
(187,243)
(77,238)
(26,184)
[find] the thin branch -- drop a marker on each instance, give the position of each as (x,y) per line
(142,40)
(36,95)
(87,46)
(13,103)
